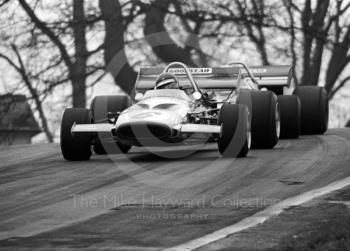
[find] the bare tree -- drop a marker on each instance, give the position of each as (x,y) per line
(77,68)
(323,27)
(313,22)
(288,4)
(76,64)
(157,36)
(340,57)
(60,50)
(20,68)
(255,27)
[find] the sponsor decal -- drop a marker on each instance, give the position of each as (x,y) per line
(254,71)
(192,70)
(87,127)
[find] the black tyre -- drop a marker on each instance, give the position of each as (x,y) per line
(314,109)
(75,146)
(100,107)
(234,139)
(290,116)
(98,147)
(265,122)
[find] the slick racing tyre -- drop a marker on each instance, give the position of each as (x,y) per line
(75,146)
(314,109)
(290,116)
(234,138)
(100,107)
(265,118)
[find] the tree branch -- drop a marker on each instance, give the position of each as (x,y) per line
(341,84)
(47,31)
(158,38)
(33,92)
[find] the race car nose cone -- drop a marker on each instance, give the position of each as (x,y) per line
(143,130)
(146,124)
(148,116)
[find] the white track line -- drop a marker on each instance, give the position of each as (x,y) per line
(261,216)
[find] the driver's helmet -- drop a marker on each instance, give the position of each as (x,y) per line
(167,80)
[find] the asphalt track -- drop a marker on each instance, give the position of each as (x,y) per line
(146,202)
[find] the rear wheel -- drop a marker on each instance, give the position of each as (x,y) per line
(100,107)
(75,146)
(265,118)
(314,109)
(290,116)
(234,138)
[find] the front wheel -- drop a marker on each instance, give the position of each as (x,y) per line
(234,138)
(75,146)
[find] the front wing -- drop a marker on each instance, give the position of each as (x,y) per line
(182,128)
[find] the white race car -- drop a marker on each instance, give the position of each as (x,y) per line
(180,105)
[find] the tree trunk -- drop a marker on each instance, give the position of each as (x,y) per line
(320,34)
(347,123)
(78,92)
(261,46)
(258,37)
(316,62)
(78,73)
(114,51)
(307,45)
(43,119)
(313,29)
(339,60)
(288,6)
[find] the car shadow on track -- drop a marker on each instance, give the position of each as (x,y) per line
(140,155)
(174,155)
(206,155)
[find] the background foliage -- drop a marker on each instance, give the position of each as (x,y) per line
(56,52)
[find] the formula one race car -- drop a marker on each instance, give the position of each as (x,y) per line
(180,105)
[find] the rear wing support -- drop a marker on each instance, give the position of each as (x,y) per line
(255,84)
(270,76)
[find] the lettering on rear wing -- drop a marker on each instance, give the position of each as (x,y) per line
(274,75)
(181,71)
(217,71)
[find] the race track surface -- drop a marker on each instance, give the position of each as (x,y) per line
(143,201)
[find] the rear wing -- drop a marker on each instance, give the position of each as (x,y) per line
(225,77)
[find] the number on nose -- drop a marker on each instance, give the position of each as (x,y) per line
(146,115)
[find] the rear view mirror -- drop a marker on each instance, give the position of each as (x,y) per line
(196,96)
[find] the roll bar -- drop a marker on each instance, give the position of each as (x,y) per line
(188,73)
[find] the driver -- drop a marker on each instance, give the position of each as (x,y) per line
(167,80)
